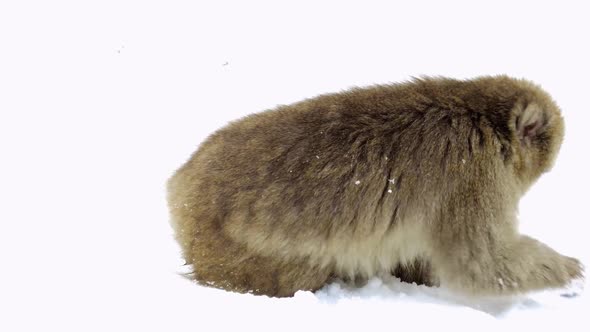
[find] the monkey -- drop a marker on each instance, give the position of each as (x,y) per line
(420,179)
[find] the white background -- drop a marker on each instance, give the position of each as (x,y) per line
(100,101)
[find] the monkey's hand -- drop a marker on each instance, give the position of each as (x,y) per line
(536,266)
(516,267)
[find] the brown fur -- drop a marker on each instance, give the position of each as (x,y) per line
(421,179)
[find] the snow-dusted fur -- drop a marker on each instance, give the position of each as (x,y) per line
(420,179)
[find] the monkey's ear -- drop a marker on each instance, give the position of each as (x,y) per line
(530,122)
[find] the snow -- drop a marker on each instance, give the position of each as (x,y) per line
(101,101)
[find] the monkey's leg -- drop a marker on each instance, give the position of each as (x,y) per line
(220,262)
(493,266)
(418,271)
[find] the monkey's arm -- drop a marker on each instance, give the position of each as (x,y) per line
(478,249)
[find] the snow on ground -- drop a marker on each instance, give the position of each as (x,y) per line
(101,101)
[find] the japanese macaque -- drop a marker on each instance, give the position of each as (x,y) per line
(420,179)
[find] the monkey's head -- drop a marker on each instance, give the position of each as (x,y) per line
(537,130)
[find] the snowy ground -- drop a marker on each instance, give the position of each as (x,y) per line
(101,101)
